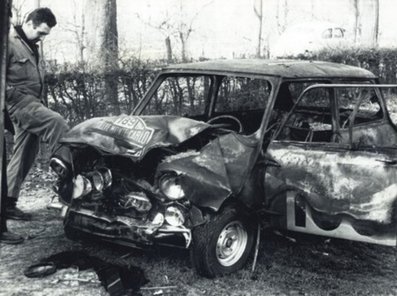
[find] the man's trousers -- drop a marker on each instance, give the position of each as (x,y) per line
(32,122)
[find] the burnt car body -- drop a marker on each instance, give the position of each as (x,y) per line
(217,148)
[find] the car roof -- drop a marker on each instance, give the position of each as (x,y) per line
(281,68)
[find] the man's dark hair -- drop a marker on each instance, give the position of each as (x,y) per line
(42,15)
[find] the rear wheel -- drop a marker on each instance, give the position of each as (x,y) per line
(223,244)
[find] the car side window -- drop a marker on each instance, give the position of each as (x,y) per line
(327,34)
(311,119)
(242,93)
(338,33)
(244,98)
(362,104)
(360,118)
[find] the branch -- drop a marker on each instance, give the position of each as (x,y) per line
(257,13)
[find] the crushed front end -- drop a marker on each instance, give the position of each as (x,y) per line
(144,180)
(114,198)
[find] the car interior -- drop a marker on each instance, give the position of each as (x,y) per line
(311,119)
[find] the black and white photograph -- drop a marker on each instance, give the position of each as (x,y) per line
(198,147)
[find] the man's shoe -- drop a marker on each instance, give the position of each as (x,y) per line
(16,214)
(10,238)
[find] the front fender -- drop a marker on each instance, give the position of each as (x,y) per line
(215,173)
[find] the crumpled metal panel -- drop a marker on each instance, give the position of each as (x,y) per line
(360,184)
(219,170)
(134,136)
(209,176)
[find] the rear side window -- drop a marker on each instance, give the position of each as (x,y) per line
(327,34)
(339,33)
(346,115)
(311,119)
(362,104)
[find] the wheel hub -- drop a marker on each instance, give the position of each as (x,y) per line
(231,243)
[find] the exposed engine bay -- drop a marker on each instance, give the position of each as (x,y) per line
(116,185)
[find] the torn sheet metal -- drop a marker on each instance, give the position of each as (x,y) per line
(218,171)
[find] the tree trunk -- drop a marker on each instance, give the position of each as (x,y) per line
(183,47)
(81,39)
(102,46)
(4,27)
(313,8)
(357,30)
(259,15)
(376,23)
(282,16)
(169,49)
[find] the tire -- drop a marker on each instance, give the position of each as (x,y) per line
(222,245)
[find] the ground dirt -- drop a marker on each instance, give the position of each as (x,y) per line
(287,265)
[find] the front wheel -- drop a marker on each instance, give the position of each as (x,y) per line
(223,244)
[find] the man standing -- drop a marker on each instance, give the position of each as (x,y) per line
(32,120)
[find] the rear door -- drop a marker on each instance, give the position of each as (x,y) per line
(334,165)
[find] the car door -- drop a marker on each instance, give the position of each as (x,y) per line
(333,165)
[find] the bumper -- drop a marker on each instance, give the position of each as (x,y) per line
(127,231)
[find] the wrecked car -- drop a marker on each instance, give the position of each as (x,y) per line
(217,149)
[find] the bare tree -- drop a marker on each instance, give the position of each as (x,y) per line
(357,26)
(258,9)
(376,23)
(313,9)
(78,28)
(176,27)
(168,47)
(282,15)
(183,31)
(17,8)
(102,45)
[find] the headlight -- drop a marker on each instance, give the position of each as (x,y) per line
(100,179)
(158,219)
(107,177)
(170,186)
(97,181)
(174,216)
(82,186)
